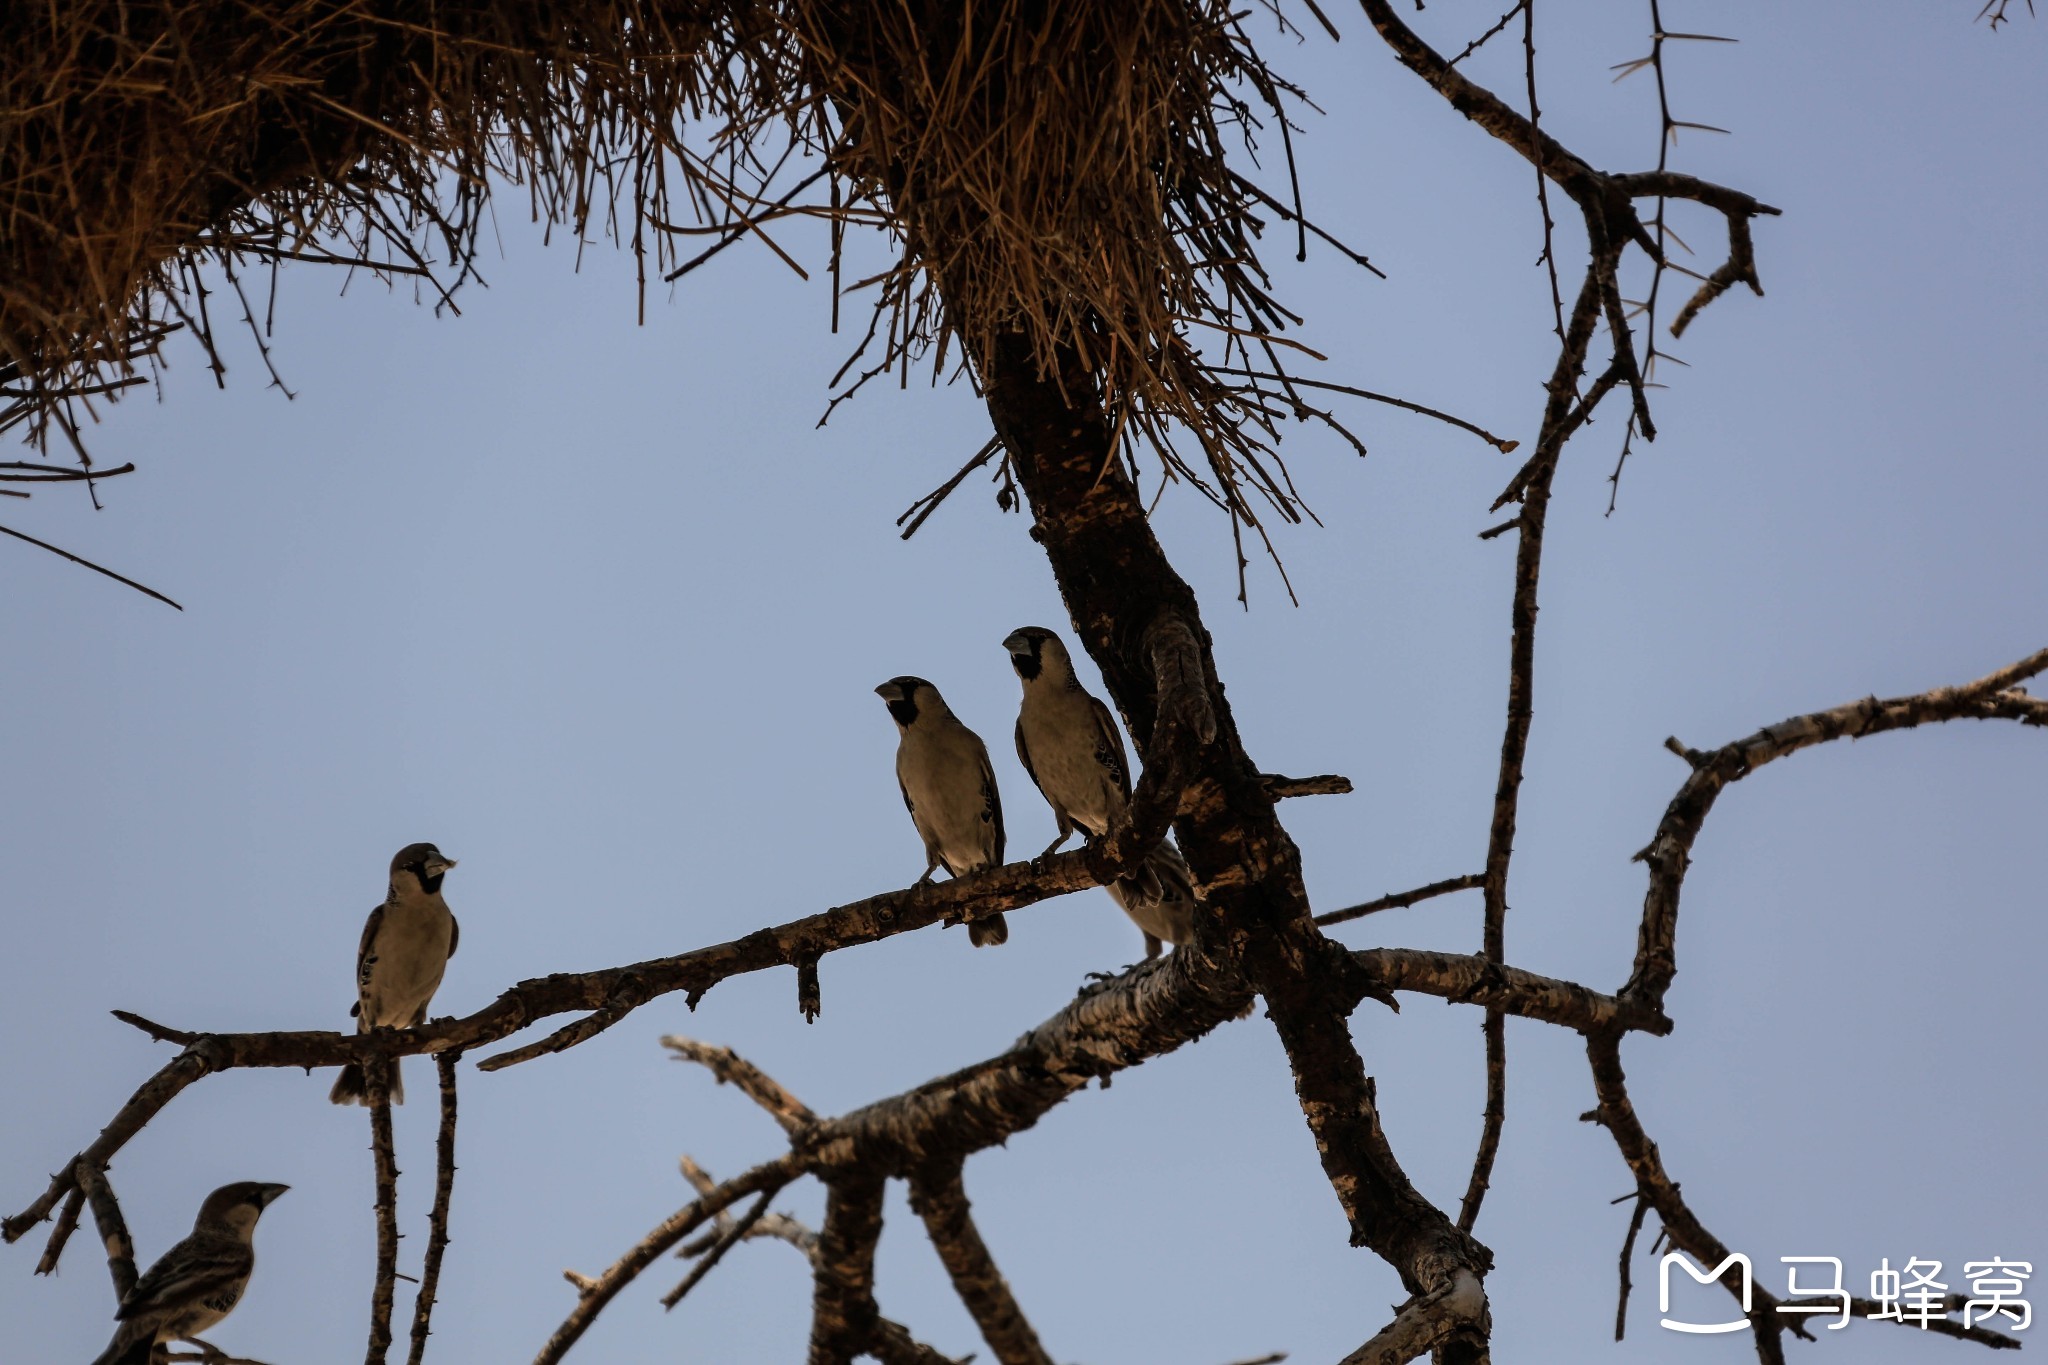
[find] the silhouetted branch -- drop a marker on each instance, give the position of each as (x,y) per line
(737,1231)
(437,1220)
(1326,784)
(1469,882)
(594,1292)
(1668,855)
(610,993)
(385,1288)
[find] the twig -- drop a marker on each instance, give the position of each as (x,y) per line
(1498,443)
(918,511)
(1325,784)
(594,1292)
(437,1219)
(60,1232)
(87,563)
(731,1068)
(740,1229)
(1399,899)
(1628,1251)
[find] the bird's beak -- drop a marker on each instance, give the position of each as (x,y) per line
(437,865)
(1017,644)
(271,1192)
(889,691)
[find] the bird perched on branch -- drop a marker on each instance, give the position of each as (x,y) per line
(1069,743)
(950,788)
(406,946)
(197,1282)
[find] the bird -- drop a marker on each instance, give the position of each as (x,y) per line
(407,942)
(197,1282)
(1070,745)
(949,787)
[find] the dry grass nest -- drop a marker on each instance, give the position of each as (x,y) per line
(1064,172)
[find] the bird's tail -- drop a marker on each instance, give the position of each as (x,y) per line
(1159,896)
(352,1087)
(129,1347)
(986,933)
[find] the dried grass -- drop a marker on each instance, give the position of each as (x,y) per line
(1058,170)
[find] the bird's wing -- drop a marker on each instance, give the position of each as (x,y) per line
(992,800)
(196,1269)
(366,952)
(1109,745)
(1024,757)
(454,934)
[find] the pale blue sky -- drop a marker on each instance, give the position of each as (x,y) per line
(594,606)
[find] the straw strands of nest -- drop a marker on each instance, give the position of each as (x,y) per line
(1056,175)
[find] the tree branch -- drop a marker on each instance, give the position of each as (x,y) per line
(437,1220)
(385,1288)
(843,1313)
(1669,853)
(611,992)
(1480,981)
(731,1068)
(1470,881)
(594,1293)
(939,1197)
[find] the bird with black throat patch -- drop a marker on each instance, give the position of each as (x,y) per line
(949,787)
(198,1281)
(1070,745)
(405,949)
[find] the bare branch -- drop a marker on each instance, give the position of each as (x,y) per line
(1469,882)
(1669,853)
(612,993)
(731,1068)
(1326,784)
(385,1288)
(1510,990)
(112,1228)
(595,1292)
(740,1229)
(67,1223)
(843,1313)
(437,1220)
(939,1197)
